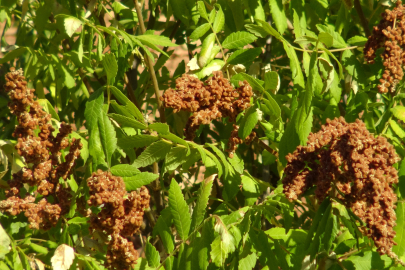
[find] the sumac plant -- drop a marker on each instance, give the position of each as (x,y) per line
(202,134)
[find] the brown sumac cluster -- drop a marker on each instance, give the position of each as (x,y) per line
(41,151)
(214,99)
(346,161)
(390,34)
(121,216)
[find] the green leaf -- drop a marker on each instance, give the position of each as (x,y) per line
(161,128)
(108,137)
(127,103)
(200,31)
(139,180)
(251,190)
(357,41)
(304,40)
(154,152)
(136,141)
(270,30)
(11,55)
(330,73)
(156,40)
(69,79)
(366,261)
(272,81)
(162,227)
(176,157)
(397,129)
(248,122)
(71,25)
(176,139)
(326,39)
(152,255)
(219,20)
(248,262)
(221,156)
(38,248)
(81,40)
(399,112)
(124,170)
(180,11)
(298,77)
(399,249)
(78,220)
(111,67)
(179,209)
(252,81)
(338,41)
(206,49)
(238,40)
(4,243)
(47,106)
(278,15)
(218,252)
(244,56)
(126,121)
(201,205)
(202,10)
(256,30)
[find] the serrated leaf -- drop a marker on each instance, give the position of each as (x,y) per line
(179,209)
(200,31)
(176,157)
(111,67)
(156,40)
(238,40)
(154,152)
(126,121)
(252,81)
(63,257)
(248,262)
(152,255)
(399,112)
(127,103)
(248,122)
(162,227)
(399,249)
(256,30)
(4,243)
(108,137)
(176,139)
(270,30)
(331,73)
(47,106)
(69,79)
(304,40)
(11,55)
(139,180)
(357,41)
(202,10)
(161,128)
(298,77)
(124,170)
(244,56)
(219,20)
(136,141)
(278,14)
(201,205)
(71,25)
(272,81)
(218,252)
(338,41)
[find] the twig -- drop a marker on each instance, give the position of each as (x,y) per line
(363,20)
(149,63)
(265,146)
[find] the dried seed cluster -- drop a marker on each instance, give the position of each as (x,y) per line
(234,140)
(347,159)
(212,100)
(120,217)
(41,151)
(390,34)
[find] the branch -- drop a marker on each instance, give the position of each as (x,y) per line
(363,20)
(149,64)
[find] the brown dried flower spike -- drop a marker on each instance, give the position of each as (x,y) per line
(390,34)
(121,216)
(212,100)
(43,153)
(359,165)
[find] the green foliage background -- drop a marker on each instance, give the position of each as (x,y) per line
(91,65)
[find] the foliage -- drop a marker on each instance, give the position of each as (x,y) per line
(102,67)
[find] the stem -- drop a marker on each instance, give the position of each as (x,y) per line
(266,147)
(149,64)
(185,241)
(334,50)
(363,20)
